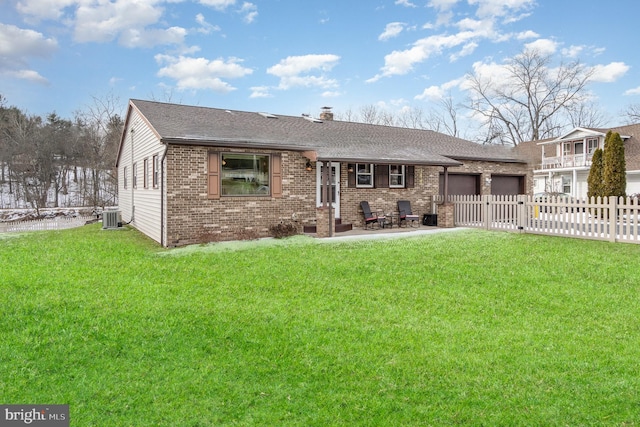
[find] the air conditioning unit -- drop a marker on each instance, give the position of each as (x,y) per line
(111,219)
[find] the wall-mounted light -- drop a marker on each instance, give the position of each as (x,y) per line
(488,181)
(350,170)
(308,165)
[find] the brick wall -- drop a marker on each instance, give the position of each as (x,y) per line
(193,218)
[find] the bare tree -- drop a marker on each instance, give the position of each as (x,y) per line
(586,114)
(101,126)
(522,104)
(632,113)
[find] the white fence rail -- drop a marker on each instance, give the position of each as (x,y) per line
(615,219)
(59,223)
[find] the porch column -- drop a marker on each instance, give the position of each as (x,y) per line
(446,185)
(324,214)
(446,209)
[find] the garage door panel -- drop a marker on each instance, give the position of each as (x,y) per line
(461,184)
(507,185)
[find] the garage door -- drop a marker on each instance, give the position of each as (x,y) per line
(502,185)
(461,184)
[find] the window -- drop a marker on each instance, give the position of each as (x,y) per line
(396,176)
(364,175)
(566,184)
(124,180)
(145,173)
(244,174)
(135,175)
(566,148)
(592,145)
(156,171)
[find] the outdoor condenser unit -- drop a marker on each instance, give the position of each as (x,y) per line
(111,219)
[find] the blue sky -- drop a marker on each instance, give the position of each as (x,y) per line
(296,56)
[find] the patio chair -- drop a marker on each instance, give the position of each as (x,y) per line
(406,215)
(370,217)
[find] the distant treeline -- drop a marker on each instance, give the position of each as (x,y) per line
(55,162)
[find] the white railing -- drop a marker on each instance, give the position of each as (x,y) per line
(610,218)
(59,223)
(566,161)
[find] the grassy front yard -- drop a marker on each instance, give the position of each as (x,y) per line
(464,328)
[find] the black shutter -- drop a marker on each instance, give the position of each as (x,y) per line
(351,175)
(411,176)
(381,176)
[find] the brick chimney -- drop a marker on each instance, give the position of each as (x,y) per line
(326,114)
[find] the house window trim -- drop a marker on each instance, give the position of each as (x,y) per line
(370,174)
(590,149)
(155,173)
(271,159)
(402,175)
(145,175)
(124,177)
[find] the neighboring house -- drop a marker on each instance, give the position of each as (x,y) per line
(188,174)
(561,165)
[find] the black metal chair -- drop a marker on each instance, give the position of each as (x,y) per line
(370,217)
(406,215)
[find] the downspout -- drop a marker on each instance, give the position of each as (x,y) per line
(162,216)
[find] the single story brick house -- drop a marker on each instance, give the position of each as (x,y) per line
(188,174)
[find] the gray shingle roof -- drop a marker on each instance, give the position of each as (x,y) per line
(331,140)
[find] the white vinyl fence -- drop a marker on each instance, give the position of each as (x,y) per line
(610,218)
(59,223)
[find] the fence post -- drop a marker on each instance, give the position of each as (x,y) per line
(613,218)
(486,211)
(522,219)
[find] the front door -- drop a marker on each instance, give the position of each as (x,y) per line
(334,188)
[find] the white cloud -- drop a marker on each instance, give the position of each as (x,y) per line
(610,72)
(44,9)
(18,46)
(442,4)
(260,92)
(205,27)
(294,71)
(402,62)
(29,75)
(330,94)
(218,4)
(466,50)
(250,12)
(152,37)
(572,51)
(501,8)
(405,3)
(202,73)
(393,29)
(436,93)
(527,35)
(433,93)
(543,46)
(104,22)
(635,91)
(22,43)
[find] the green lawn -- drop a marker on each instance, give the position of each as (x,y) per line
(463,328)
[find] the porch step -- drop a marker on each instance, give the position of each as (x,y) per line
(339,227)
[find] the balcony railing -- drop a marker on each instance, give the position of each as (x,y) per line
(567,161)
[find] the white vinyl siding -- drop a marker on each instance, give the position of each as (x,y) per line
(146,201)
